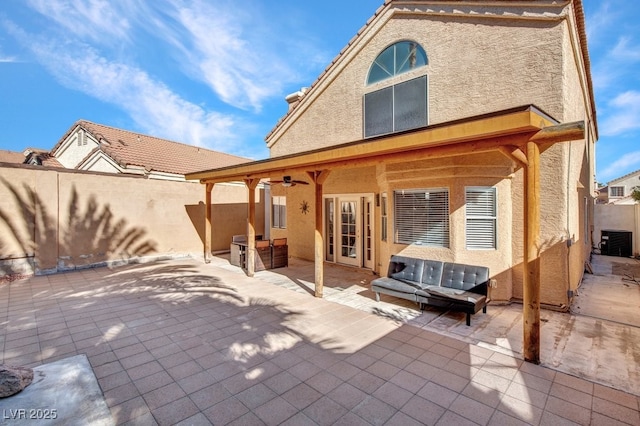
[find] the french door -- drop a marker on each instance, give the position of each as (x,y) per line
(349,230)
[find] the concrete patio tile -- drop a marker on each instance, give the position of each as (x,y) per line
(451,418)
(374,410)
(132,411)
(163,395)
(438,394)
(275,412)
(616,411)
(197,420)
(401,419)
(533,382)
(347,395)
(421,369)
(483,394)
(256,396)
(601,419)
(450,380)
(383,370)
(175,411)
(502,419)
(209,396)
(409,381)
(574,382)
(491,381)
(184,369)
(392,395)
(425,412)
(114,380)
(324,382)
(325,411)
(472,410)
(568,410)
(301,396)
(570,394)
(528,395)
(304,370)
(121,394)
(226,411)
(614,395)
(520,410)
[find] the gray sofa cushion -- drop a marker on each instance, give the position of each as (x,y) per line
(452,294)
(387,283)
(431,273)
(406,269)
(463,277)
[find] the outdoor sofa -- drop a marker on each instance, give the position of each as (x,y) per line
(452,286)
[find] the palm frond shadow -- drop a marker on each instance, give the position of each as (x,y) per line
(90,236)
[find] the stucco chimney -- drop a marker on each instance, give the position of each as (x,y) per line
(294,98)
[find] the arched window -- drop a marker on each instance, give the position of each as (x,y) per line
(396,59)
(401,105)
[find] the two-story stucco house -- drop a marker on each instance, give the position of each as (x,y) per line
(433,134)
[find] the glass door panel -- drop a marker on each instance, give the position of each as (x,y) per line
(349,238)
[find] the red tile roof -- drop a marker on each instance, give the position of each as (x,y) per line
(154,154)
(11,157)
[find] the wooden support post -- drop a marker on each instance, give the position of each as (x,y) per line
(531,258)
(318,178)
(207,222)
(251,227)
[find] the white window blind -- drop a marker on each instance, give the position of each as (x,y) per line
(279,212)
(422,217)
(481,214)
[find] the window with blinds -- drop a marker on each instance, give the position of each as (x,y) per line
(402,106)
(481,212)
(279,212)
(421,216)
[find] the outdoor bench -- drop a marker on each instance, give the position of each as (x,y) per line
(452,286)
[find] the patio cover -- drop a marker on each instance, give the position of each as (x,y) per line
(521,134)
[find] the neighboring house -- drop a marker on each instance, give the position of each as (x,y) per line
(434,133)
(618,191)
(11,157)
(100,148)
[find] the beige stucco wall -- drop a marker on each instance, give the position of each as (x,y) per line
(471,71)
(70,154)
(478,64)
(85,219)
(618,217)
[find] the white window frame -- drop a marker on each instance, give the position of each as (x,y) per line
(421,217)
(481,222)
(613,193)
(279,212)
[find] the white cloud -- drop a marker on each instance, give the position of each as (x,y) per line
(629,161)
(242,58)
(98,20)
(623,114)
(150,103)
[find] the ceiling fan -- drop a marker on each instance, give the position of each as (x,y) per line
(287,182)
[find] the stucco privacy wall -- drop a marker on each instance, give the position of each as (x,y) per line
(485,74)
(55,220)
(621,217)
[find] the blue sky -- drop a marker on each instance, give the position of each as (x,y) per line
(215,74)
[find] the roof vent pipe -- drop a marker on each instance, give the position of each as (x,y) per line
(294,98)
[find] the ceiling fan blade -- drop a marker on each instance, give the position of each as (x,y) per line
(301,182)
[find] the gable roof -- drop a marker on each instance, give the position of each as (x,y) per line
(308,92)
(11,157)
(41,157)
(151,153)
(628,175)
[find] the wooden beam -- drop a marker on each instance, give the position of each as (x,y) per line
(531,257)
(207,222)
(515,154)
(318,178)
(560,133)
(251,226)
(434,152)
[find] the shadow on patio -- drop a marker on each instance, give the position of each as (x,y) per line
(184,341)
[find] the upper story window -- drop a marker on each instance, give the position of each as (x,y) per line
(397,59)
(400,106)
(616,191)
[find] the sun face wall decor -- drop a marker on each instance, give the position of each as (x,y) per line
(304,207)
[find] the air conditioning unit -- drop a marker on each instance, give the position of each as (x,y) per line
(616,243)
